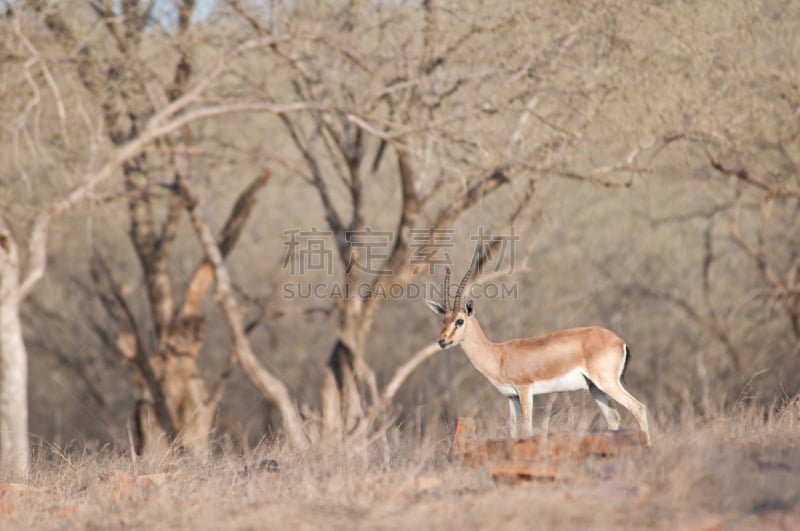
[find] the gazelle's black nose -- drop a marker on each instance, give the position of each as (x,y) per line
(442,343)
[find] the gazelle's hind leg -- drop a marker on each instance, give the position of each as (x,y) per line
(605,404)
(613,388)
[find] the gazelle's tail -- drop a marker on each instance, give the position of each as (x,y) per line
(626,352)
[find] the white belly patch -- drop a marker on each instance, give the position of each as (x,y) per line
(507,390)
(571,381)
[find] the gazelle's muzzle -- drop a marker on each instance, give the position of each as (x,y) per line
(444,343)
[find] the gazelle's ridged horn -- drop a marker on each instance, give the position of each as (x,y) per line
(446,291)
(457,300)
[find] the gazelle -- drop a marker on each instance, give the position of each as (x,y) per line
(591,358)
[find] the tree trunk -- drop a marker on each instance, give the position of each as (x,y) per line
(348,377)
(341,401)
(191,408)
(13,366)
(185,394)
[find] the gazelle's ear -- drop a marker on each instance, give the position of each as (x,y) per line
(435,306)
(470,309)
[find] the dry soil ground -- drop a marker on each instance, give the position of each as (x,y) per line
(739,471)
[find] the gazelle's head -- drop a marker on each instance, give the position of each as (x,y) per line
(457,318)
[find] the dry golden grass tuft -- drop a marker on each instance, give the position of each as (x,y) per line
(737,471)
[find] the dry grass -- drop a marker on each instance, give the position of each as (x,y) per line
(736,468)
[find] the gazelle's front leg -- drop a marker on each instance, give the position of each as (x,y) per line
(526,407)
(513,416)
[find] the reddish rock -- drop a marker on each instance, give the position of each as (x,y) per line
(709,523)
(67,511)
(536,457)
(428,483)
(9,494)
(123,487)
(780,519)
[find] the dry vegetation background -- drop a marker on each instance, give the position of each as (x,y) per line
(646,154)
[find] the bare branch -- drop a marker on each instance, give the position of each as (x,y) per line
(202,277)
(169,228)
(399,377)
(224,377)
(756,252)
(782,292)
(157,127)
(710,325)
(741,173)
(129,343)
(331,214)
(472,195)
(89,379)
(240,213)
(270,386)
(596,175)
(402,373)
(408,217)
(210,77)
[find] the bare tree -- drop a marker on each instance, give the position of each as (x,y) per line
(175,404)
(748,234)
(17,283)
(13,363)
(171,391)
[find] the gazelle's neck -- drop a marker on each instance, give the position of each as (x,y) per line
(480,351)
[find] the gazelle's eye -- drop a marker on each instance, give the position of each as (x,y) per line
(460,322)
